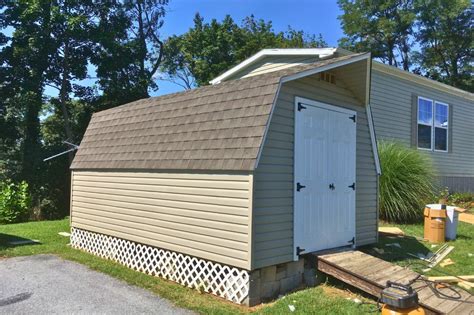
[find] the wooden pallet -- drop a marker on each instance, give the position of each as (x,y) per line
(371,274)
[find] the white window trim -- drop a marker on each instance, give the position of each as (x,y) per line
(432,125)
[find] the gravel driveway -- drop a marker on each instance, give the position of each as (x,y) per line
(47,284)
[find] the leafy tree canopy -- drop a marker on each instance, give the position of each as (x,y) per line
(208,49)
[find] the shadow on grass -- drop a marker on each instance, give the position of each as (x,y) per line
(9,241)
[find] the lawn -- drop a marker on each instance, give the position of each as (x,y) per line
(324,299)
(462,255)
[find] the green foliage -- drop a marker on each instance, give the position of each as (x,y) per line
(382,27)
(406,183)
(388,29)
(14,202)
(208,49)
(446,41)
(462,199)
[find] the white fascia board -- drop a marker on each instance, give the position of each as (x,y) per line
(321,52)
(373,139)
(394,71)
(309,72)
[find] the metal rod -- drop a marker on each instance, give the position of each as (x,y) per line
(59,154)
(71,144)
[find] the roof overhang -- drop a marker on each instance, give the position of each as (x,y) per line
(341,63)
(320,52)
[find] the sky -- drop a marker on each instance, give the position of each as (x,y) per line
(311,16)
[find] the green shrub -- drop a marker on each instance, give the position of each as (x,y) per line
(14,202)
(463,199)
(406,183)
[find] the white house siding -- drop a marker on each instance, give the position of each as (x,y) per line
(391,102)
(202,215)
(273,188)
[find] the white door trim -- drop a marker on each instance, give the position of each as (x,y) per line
(309,102)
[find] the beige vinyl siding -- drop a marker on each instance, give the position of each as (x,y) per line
(272,63)
(203,215)
(391,102)
(273,192)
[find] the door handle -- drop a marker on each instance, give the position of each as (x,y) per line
(332,187)
(299,186)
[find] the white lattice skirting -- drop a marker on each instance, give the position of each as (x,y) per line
(224,281)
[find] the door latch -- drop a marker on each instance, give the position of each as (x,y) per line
(352,241)
(332,187)
(353,186)
(353,118)
(299,186)
(299,250)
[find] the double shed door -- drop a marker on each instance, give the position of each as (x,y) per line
(324,176)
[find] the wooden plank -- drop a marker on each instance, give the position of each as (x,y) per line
(451,278)
(466,307)
(374,273)
(466,217)
(348,278)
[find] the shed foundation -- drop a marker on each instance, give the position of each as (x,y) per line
(270,282)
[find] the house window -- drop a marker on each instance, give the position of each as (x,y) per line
(432,125)
(441,127)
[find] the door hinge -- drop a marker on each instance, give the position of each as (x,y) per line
(352,241)
(353,118)
(300,106)
(299,250)
(299,186)
(353,186)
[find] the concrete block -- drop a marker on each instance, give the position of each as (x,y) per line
(254,287)
(290,283)
(268,274)
(295,267)
(252,301)
(281,274)
(269,289)
(309,277)
(255,274)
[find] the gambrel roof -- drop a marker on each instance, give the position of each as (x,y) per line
(218,127)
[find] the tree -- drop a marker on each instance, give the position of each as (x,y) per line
(446,41)
(72,24)
(208,49)
(129,49)
(26,56)
(383,27)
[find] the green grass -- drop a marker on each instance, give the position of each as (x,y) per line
(324,299)
(463,246)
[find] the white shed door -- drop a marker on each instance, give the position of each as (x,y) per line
(324,177)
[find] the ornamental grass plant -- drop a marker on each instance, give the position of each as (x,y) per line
(407,182)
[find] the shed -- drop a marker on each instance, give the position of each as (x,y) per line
(225,188)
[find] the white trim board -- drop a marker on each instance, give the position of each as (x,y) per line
(373,139)
(317,52)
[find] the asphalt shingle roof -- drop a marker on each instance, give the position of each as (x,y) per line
(218,127)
